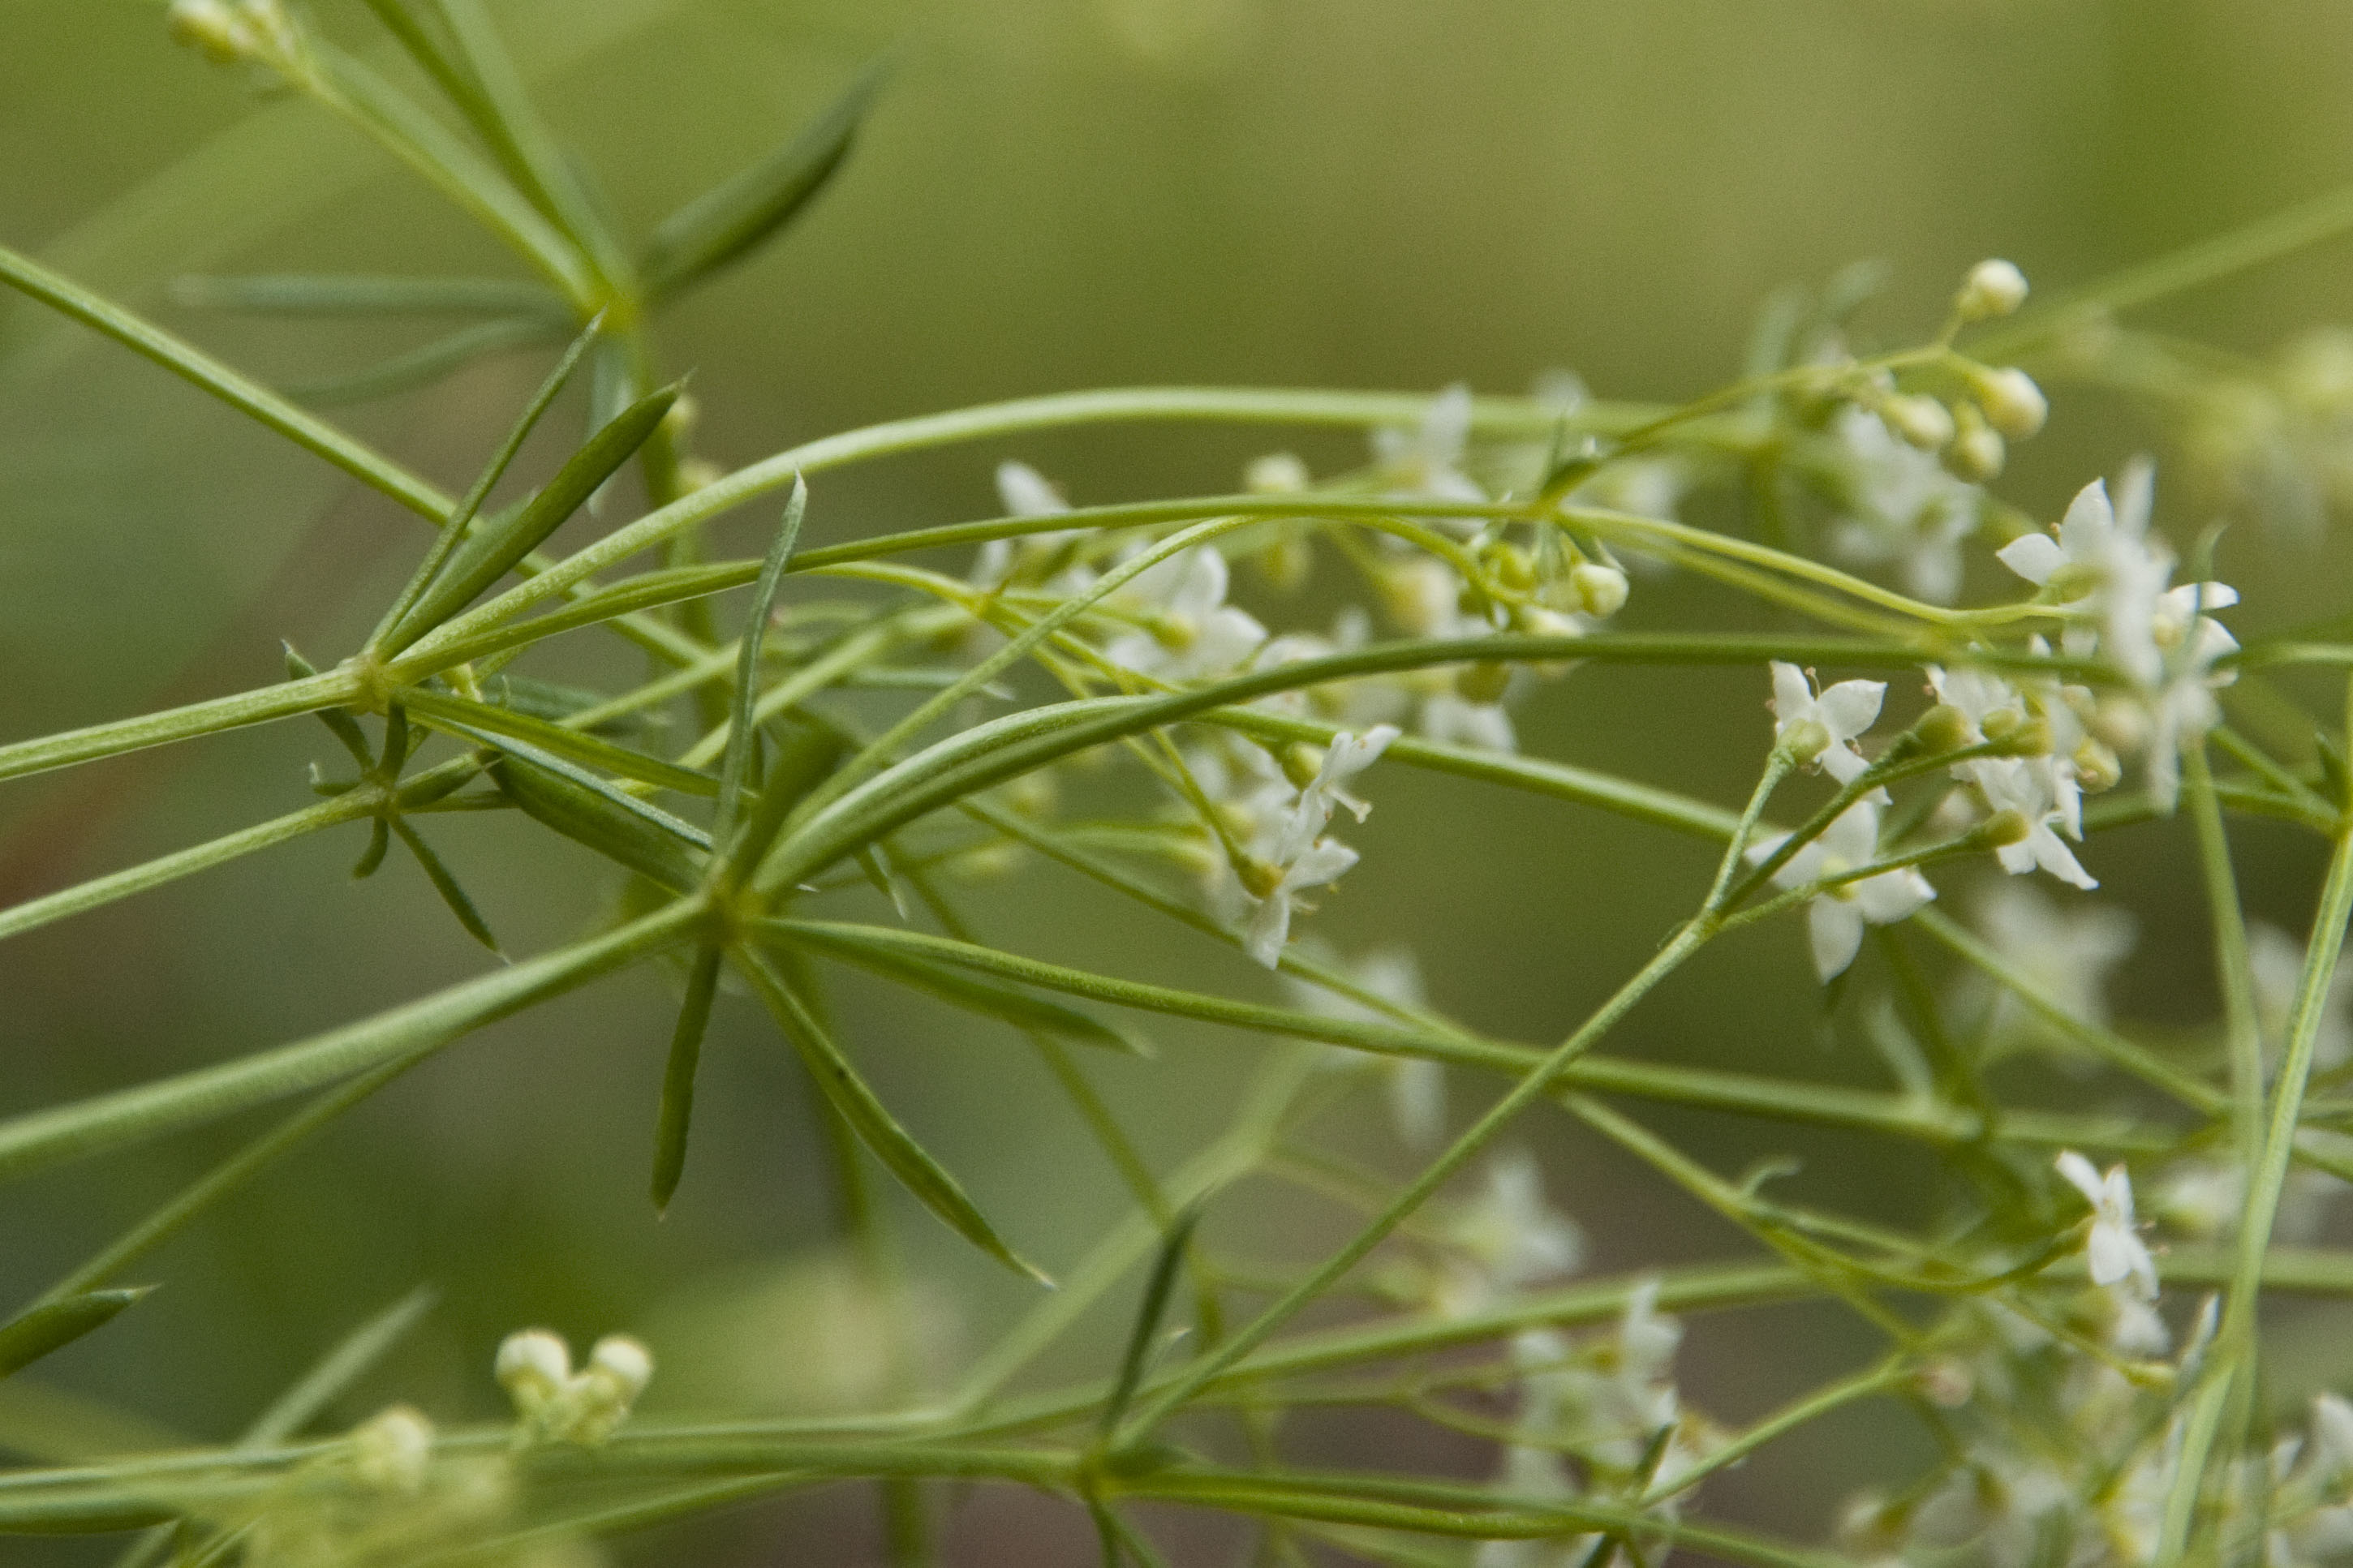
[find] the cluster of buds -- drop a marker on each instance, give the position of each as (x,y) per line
(392,1450)
(558,1404)
(229,31)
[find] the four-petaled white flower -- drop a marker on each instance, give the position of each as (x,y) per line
(2014,783)
(2114,1251)
(1348,756)
(1024,492)
(1835,918)
(2045,789)
(1905,507)
(1189,630)
(2160,638)
(1427,459)
(1294,857)
(1844,710)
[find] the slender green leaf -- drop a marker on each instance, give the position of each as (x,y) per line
(866,1115)
(424,365)
(811,753)
(379,845)
(743,734)
(53,1325)
(317,295)
(199,369)
(410,1032)
(554,797)
(333,1375)
(446,885)
(446,710)
(678,1076)
(647,591)
(1136,1360)
(736,216)
(958,989)
(489,553)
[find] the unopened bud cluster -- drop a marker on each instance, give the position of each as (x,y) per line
(559,1404)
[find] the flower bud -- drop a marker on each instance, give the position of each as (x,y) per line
(1276,473)
(2096,767)
(1286,562)
(2013,404)
(625,1362)
(392,1450)
(532,1366)
(1919,419)
(1804,741)
(697,474)
(1993,288)
(1300,763)
(1510,565)
(1944,728)
(2018,734)
(1945,1382)
(210,28)
(1484,683)
(1977,453)
(2004,828)
(1598,591)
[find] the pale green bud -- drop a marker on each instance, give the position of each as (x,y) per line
(2013,404)
(1993,288)
(1977,452)
(392,1450)
(1276,473)
(1920,420)
(1597,590)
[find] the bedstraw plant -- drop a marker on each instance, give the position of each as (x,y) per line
(1955,690)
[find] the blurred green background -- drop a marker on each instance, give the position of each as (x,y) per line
(1055,194)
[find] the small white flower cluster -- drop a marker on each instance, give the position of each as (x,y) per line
(1835,919)
(559,1404)
(2045,786)
(1507,1239)
(1286,851)
(2104,565)
(2112,1249)
(1590,1414)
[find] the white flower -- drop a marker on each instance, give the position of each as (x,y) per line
(1417,1086)
(1509,1236)
(1426,460)
(1190,630)
(2103,551)
(2014,783)
(2066,955)
(393,1450)
(2158,636)
(1348,756)
(1451,717)
(1835,919)
(1024,492)
(1905,507)
(2114,1251)
(1844,710)
(1319,866)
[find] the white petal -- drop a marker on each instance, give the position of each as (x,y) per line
(1851,707)
(1446,429)
(2109,1253)
(2052,854)
(2083,1176)
(1418,1102)
(2136,495)
(1321,863)
(2090,520)
(2033,556)
(1835,928)
(1793,695)
(1025,492)
(1843,763)
(1893,896)
(1269,926)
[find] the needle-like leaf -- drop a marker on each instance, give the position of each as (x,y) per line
(446,884)
(587,811)
(848,1093)
(53,1325)
(742,732)
(678,1076)
(736,216)
(488,553)
(470,503)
